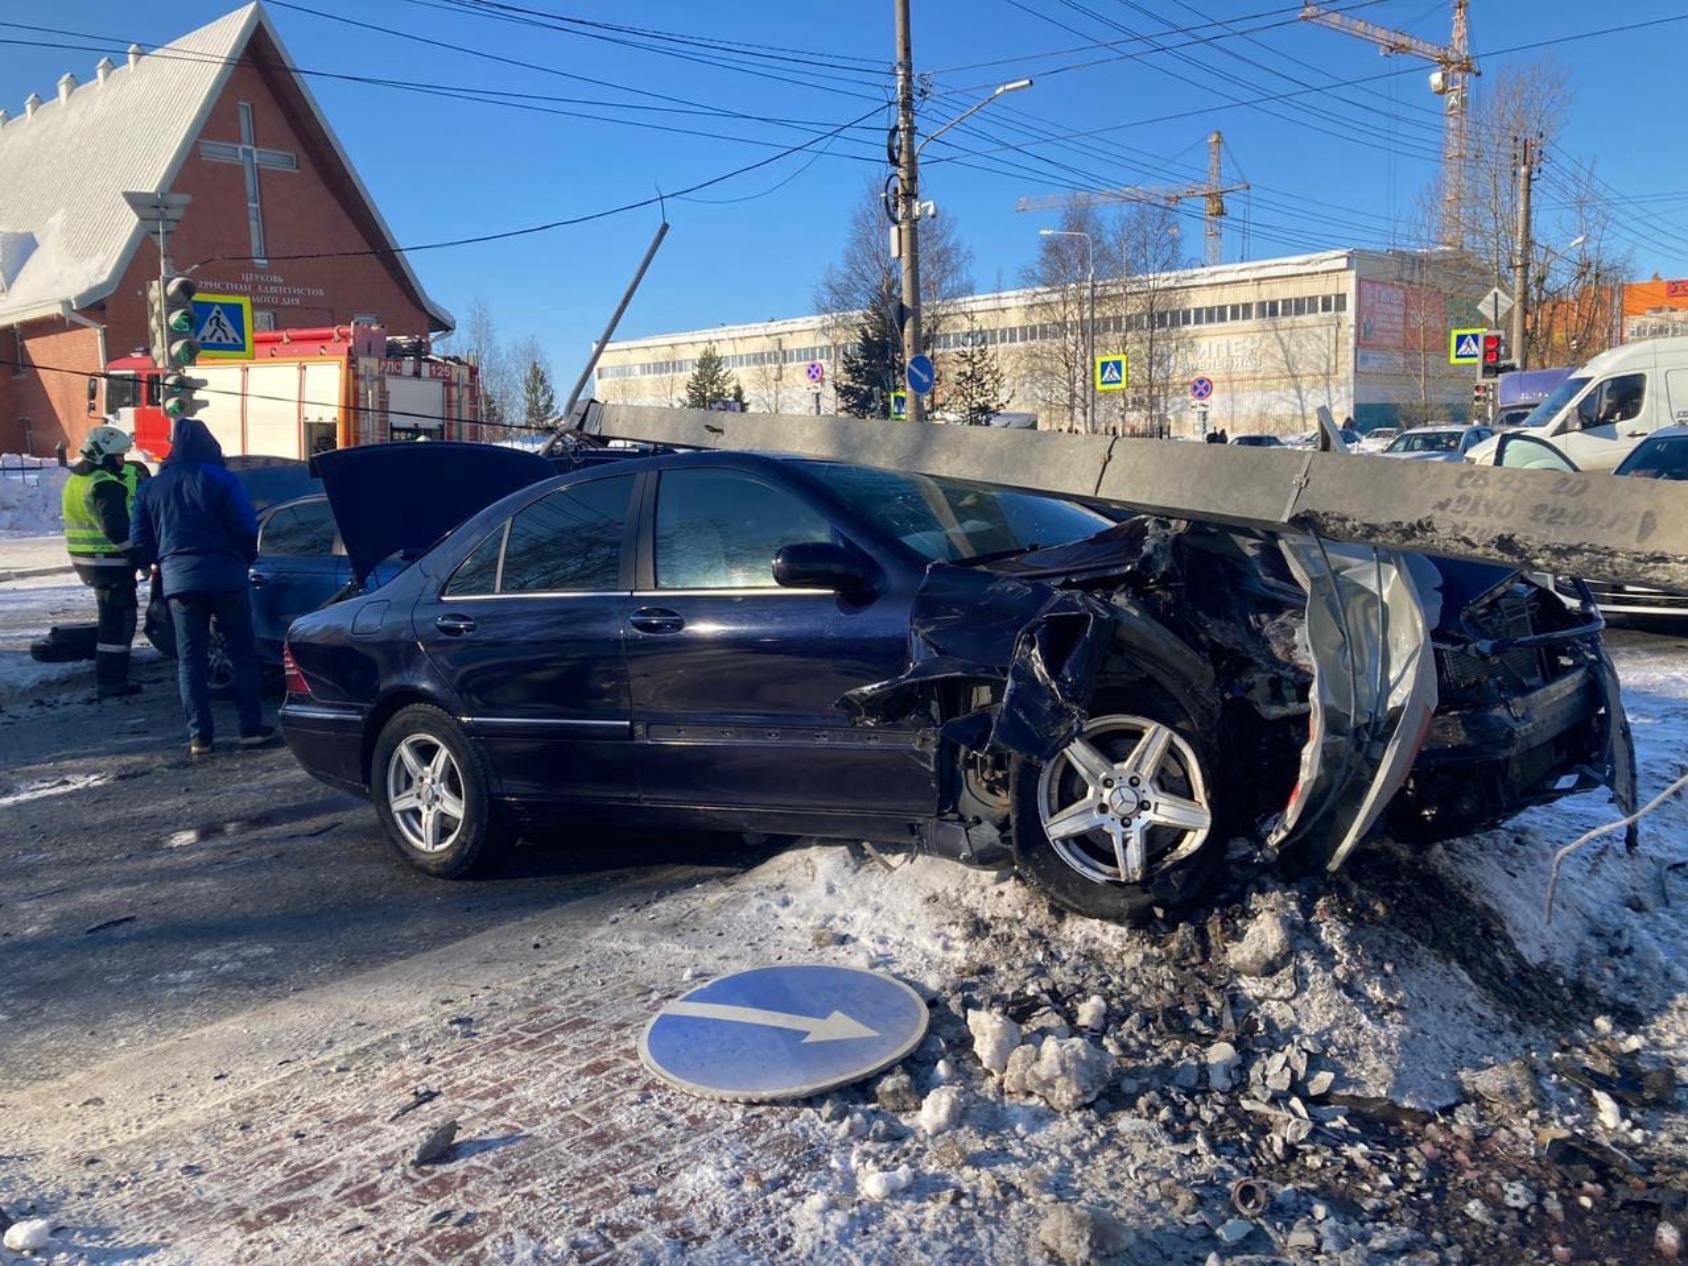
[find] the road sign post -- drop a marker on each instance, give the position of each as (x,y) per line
(1465,347)
(1112,372)
(921,374)
(783,1032)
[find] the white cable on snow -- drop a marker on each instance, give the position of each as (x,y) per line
(1597,832)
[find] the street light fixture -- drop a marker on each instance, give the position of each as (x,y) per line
(1089,322)
(1013,85)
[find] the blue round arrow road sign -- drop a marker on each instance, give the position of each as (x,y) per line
(783,1032)
(921,374)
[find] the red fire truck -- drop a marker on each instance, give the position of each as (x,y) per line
(305,391)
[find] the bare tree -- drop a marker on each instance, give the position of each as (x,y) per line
(1147,252)
(860,294)
(477,341)
(1057,364)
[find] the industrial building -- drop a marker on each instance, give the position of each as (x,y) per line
(1362,332)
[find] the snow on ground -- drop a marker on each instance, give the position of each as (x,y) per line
(27,609)
(29,498)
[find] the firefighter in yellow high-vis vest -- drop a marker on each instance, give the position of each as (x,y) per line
(97,499)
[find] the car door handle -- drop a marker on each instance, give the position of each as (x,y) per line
(454,625)
(1635,434)
(657,620)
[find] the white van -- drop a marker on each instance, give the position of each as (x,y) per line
(1611,404)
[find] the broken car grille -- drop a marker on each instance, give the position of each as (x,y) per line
(1507,617)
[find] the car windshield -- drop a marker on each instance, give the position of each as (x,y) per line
(1426,442)
(1548,409)
(946,520)
(1658,459)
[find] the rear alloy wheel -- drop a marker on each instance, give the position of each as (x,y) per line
(1120,820)
(219,668)
(431,792)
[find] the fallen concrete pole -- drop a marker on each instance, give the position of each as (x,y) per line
(1631,531)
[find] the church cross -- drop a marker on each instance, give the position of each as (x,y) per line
(250,157)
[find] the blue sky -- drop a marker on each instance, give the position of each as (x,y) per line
(1329,169)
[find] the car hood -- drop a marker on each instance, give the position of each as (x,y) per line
(401,498)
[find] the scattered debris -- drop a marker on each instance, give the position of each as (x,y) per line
(418,1097)
(1250,1197)
(1234,1231)
(1667,1241)
(1079,1235)
(1222,1061)
(437,1146)
(1093,1013)
(1066,1073)
(1606,1110)
(881,1184)
(1265,947)
(994,1038)
(896,1093)
(110,923)
(942,1110)
(30,1236)
(1511,1085)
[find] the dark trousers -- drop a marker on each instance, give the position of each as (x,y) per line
(192,614)
(116,605)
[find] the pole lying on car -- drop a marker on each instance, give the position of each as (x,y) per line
(1589,525)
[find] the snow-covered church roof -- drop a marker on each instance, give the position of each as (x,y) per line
(66,234)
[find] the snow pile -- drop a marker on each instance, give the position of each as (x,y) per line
(29,501)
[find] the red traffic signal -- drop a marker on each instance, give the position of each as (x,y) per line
(1492,349)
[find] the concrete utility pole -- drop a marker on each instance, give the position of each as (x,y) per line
(1089,322)
(1529,153)
(908,202)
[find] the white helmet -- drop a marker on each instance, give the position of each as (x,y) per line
(107,441)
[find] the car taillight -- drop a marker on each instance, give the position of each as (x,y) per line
(291,677)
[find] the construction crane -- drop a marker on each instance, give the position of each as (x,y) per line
(1454,65)
(1212,194)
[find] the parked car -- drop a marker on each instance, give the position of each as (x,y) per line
(1662,455)
(1599,414)
(1378,438)
(1257,441)
(1437,443)
(756,642)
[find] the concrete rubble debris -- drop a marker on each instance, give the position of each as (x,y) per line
(994,1038)
(1065,1072)
(1078,1235)
(896,1093)
(1234,1231)
(1093,1012)
(881,1184)
(1667,1241)
(1510,1085)
(437,1146)
(942,1110)
(1222,1061)
(1265,947)
(1606,1109)
(29,1236)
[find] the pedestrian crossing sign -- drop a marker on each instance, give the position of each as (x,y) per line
(1111,373)
(899,406)
(222,326)
(1465,347)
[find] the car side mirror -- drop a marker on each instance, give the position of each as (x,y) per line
(822,565)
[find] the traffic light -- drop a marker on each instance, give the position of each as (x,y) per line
(1482,400)
(177,398)
(1494,354)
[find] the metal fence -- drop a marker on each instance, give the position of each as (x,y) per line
(24,472)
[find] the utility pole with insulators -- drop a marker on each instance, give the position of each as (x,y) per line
(1527,151)
(908,201)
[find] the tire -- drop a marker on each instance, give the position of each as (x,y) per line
(1080,870)
(422,760)
(219,672)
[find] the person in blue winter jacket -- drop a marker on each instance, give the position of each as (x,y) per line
(196,522)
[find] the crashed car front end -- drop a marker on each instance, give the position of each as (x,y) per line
(1358,687)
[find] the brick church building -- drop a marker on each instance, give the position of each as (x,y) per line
(220,115)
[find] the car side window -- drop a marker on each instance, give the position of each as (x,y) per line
(305,530)
(720,529)
(569,541)
(477,575)
(1615,400)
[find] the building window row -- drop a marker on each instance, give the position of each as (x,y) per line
(1009,335)
(740,360)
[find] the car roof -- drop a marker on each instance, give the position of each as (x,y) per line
(1669,433)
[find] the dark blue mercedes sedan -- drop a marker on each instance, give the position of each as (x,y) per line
(757,642)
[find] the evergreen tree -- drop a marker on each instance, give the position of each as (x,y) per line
(711,383)
(539,399)
(869,372)
(979,390)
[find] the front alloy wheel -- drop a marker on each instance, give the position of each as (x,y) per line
(425,793)
(1124,801)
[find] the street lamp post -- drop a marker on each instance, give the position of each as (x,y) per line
(908,193)
(1089,322)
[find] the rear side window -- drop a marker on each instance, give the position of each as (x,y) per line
(569,541)
(1658,459)
(720,529)
(478,573)
(299,531)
